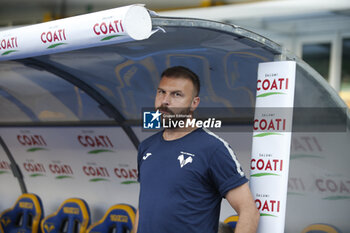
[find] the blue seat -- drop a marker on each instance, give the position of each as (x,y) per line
(321,228)
(118,219)
(73,216)
(24,216)
(232,221)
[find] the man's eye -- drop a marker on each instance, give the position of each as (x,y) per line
(177,94)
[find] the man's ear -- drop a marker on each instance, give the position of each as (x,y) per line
(195,103)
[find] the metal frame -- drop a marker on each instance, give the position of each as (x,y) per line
(14,166)
(105,105)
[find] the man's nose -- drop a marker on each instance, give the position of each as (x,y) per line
(166,99)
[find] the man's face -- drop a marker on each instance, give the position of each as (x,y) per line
(176,96)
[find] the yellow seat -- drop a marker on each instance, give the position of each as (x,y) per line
(24,216)
(73,216)
(232,221)
(118,218)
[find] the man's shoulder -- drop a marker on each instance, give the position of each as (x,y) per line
(151,139)
(207,142)
(212,139)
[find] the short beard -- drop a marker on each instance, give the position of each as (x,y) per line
(183,115)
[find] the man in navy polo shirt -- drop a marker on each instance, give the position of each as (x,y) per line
(185,172)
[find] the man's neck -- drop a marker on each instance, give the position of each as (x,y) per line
(176,133)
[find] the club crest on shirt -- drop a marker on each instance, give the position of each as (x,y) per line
(182,159)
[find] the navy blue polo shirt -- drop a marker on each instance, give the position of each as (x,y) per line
(183,181)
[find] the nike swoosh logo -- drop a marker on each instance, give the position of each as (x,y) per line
(146,156)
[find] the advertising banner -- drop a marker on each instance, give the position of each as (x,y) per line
(94,163)
(272,142)
(96,29)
